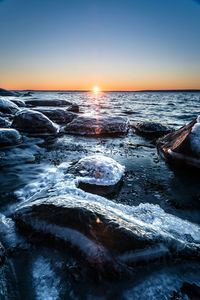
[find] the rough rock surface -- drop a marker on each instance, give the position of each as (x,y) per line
(101,126)
(45,102)
(151,129)
(7,93)
(33,122)
(8,107)
(9,137)
(4,122)
(2,254)
(182,147)
(58,114)
(19,102)
(98,174)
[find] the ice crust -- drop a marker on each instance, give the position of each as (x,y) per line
(195,137)
(99,170)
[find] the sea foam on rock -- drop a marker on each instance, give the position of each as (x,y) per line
(151,129)
(98,126)
(98,174)
(8,107)
(9,137)
(182,147)
(33,122)
(57,114)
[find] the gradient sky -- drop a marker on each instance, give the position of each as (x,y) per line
(114,44)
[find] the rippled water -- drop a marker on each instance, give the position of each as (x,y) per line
(152,192)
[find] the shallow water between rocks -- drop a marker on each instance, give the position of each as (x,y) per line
(160,193)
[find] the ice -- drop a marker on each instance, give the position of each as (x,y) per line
(99,170)
(195,137)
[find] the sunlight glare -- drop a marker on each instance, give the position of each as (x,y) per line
(95,89)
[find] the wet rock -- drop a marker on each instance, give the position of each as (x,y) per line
(4,122)
(8,107)
(98,127)
(33,122)
(182,147)
(9,137)
(7,93)
(48,102)
(98,174)
(191,290)
(151,129)
(73,107)
(2,254)
(19,102)
(58,115)
(27,94)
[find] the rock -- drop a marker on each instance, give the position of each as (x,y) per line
(191,290)
(57,114)
(27,94)
(7,93)
(19,102)
(98,127)
(151,129)
(33,122)
(9,137)
(8,107)
(98,174)
(2,254)
(182,147)
(48,102)
(104,231)
(73,108)
(4,123)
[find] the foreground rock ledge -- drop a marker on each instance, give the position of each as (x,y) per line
(182,147)
(98,174)
(98,126)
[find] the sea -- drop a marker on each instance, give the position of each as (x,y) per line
(152,191)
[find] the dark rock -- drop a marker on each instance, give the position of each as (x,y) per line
(129,112)
(151,129)
(27,94)
(7,93)
(57,114)
(48,102)
(9,137)
(73,108)
(33,122)
(19,102)
(98,174)
(2,254)
(98,127)
(191,290)
(182,147)
(8,107)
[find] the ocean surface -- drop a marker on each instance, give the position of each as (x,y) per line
(152,191)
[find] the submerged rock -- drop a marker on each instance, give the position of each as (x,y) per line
(98,174)
(58,115)
(9,137)
(151,129)
(8,107)
(48,102)
(33,122)
(182,147)
(98,127)
(7,93)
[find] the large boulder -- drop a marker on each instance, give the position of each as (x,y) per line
(98,127)
(98,174)
(58,114)
(33,122)
(8,107)
(7,93)
(151,129)
(104,231)
(19,102)
(182,147)
(48,102)
(9,137)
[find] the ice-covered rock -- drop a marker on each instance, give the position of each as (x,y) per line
(98,126)
(4,122)
(9,137)
(182,147)
(7,93)
(151,129)
(2,253)
(19,102)
(34,122)
(8,107)
(57,114)
(98,174)
(48,102)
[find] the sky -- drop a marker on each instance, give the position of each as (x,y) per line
(112,44)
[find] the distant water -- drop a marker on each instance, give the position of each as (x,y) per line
(157,193)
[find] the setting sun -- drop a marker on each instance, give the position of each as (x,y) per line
(96,89)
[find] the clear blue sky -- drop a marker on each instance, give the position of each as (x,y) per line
(114,44)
